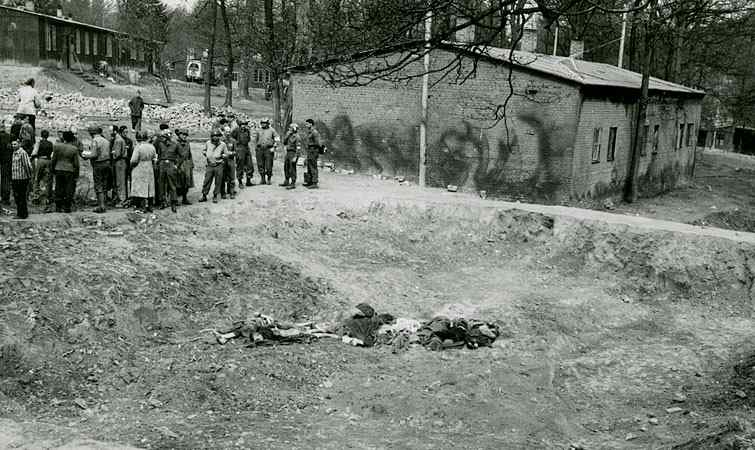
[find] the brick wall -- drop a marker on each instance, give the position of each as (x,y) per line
(375,128)
(659,170)
(542,150)
(528,154)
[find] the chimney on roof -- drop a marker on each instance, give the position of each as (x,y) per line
(29,5)
(464,35)
(577,49)
(528,41)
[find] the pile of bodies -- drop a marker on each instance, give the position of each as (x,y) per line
(367,328)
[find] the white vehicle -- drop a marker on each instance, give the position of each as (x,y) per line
(194,71)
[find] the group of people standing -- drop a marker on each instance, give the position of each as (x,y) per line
(140,169)
(229,156)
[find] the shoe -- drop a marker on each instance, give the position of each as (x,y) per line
(99,210)
(233,196)
(262,181)
(173,207)
(268,180)
(203,199)
(312,186)
(214,199)
(241,185)
(249,182)
(292,186)
(284,184)
(306,184)
(185,201)
(223,196)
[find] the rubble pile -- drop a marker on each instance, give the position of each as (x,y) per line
(66,111)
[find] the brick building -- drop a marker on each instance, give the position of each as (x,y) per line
(567,131)
(33,38)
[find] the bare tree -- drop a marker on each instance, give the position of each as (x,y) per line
(210,70)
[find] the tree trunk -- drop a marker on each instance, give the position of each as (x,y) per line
(273,64)
(632,192)
(210,61)
(229,50)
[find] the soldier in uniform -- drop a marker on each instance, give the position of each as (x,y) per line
(99,155)
(229,166)
(185,166)
(167,156)
(293,143)
(265,141)
(214,151)
(314,146)
(244,165)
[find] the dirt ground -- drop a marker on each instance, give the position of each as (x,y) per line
(605,327)
(721,195)
(619,332)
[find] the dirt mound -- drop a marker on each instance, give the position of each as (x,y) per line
(731,220)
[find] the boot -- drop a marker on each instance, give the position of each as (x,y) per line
(173,206)
(203,199)
(100,204)
(268,179)
(185,201)
(241,183)
(149,205)
(291,186)
(284,184)
(262,180)
(249,181)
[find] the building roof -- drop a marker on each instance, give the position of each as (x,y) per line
(67,20)
(585,73)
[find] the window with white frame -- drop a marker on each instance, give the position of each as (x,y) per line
(95,38)
(690,134)
(656,138)
(597,144)
(680,137)
(78,42)
(86,42)
(611,151)
(48,37)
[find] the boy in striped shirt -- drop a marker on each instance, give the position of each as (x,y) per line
(22,171)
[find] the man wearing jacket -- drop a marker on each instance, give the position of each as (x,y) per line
(265,141)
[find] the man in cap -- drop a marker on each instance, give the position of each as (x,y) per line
(214,151)
(167,160)
(244,164)
(136,105)
(185,166)
(229,167)
(265,141)
(99,156)
(293,144)
(119,153)
(314,146)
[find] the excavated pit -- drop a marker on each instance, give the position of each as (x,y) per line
(102,320)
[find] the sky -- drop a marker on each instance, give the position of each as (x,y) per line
(174,3)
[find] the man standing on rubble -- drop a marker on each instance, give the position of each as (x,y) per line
(29,102)
(167,156)
(136,105)
(99,157)
(244,164)
(314,146)
(265,141)
(214,151)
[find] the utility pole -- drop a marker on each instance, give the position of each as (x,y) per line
(555,40)
(425,89)
(623,39)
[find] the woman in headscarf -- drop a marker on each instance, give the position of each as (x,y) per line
(142,172)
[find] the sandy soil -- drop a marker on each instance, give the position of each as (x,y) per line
(607,325)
